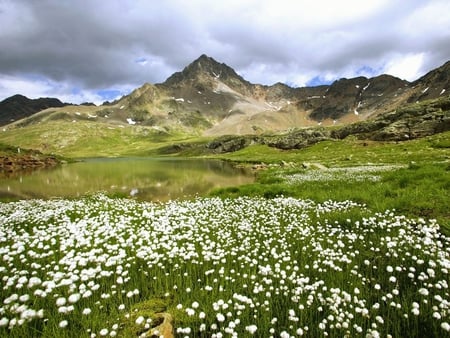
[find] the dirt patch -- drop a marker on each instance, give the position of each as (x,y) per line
(165,329)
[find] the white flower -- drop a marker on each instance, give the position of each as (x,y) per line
(73,298)
(423,292)
(87,294)
(60,301)
(86,311)
(195,305)
(103,332)
(379,319)
(140,320)
(24,298)
(4,322)
(62,324)
(220,317)
(445,326)
(251,328)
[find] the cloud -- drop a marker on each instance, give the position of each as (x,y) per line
(108,46)
(405,66)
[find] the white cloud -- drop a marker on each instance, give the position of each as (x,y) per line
(34,88)
(407,67)
(37,87)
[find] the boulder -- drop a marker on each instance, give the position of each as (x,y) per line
(298,139)
(228,144)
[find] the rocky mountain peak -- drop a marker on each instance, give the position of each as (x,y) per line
(206,69)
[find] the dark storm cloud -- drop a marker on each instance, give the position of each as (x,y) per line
(91,46)
(63,47)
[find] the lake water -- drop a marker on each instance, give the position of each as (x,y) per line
(143,178)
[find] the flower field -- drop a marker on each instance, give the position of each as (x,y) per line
(282,267)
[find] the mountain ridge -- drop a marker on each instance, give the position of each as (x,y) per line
(19,106)
(209,98)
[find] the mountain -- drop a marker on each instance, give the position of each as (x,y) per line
(433,84)
(201,73)
(209,98)
(18,107)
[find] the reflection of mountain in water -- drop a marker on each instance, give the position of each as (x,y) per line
(143,178)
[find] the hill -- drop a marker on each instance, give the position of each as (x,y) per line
(18,107)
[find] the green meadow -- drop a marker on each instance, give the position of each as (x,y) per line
(344,238)
(411,177)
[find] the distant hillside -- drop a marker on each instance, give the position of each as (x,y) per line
(18,107)
(209,98)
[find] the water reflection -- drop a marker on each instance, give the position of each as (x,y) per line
(142,178)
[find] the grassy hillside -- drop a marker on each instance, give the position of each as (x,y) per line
(89,139)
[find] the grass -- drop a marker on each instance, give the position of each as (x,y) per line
(354,253)
(249,266)
(419,189)
(88,139)
(351,152)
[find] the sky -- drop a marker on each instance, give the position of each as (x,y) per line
(95,50)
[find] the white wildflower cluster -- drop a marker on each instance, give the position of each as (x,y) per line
(356,174)
(234,267)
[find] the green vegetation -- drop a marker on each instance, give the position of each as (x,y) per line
(258,267)
(350,151)
(418,187)
(342,238)
(417,191)
(88,139)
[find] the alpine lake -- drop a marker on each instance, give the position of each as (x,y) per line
(148,179)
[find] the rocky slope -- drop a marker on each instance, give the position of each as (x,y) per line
(15,161)
(409,122)
(210,98)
